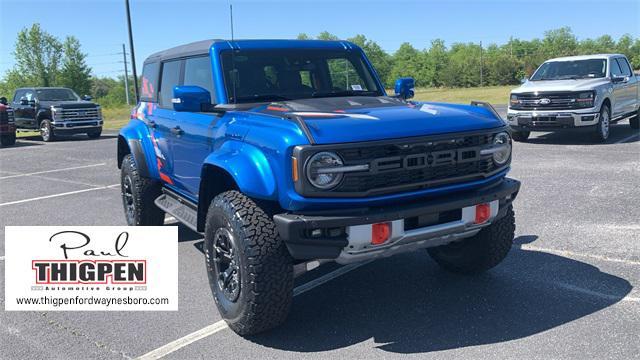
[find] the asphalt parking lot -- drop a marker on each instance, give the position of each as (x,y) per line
(568,289)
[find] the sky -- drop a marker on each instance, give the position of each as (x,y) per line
(157,25)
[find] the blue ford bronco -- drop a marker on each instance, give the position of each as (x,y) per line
(289,153)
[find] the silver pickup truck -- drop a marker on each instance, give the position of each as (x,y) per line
(576,93)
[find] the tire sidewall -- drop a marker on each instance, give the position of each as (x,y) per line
(224,216)
(50,136)
(599,128)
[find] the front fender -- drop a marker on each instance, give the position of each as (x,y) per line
(248,166)
(134,139)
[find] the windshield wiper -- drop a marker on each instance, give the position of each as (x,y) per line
(264,97)
(342,93)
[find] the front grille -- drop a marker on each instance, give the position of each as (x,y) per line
(411,164)
(547,101)
(7,117)
(78,114)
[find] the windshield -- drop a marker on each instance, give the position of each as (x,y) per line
(578,69)
(56,95)
(278,75)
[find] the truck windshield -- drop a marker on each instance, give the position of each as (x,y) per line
(578,69)
(278,75)
(56,95)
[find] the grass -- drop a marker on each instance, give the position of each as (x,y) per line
(497,95)
(117,116)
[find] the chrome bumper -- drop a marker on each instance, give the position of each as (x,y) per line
(553,118)
(77,124)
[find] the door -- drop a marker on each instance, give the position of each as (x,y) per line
(162,121)
(619,90)
(193,141)
(25,114)
(630,93)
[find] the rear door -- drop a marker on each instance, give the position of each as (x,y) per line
(162,120)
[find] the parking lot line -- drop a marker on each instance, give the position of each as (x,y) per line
(221,325)
(627,138)
(58,195)
(51,171)
(569,254)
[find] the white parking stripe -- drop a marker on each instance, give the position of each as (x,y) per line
(595,293)
(58,195)
(627,138)
(51,171)
(221,325)
(566,253)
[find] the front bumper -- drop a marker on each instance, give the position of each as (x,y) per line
(552,120)
(342,231)
(77,126)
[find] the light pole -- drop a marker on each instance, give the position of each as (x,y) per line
(126,74)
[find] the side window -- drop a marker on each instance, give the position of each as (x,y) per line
(149,84)
(624,66)
(197,72)
(19,94)
(615,68)
(344,76)
(170,78)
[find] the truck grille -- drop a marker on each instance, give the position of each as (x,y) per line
(412,164)
(79,114)
(547,101)
(7,117)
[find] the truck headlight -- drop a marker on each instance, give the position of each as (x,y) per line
(503,142)
(513,100)
(318,170)
(99,112)
(56,113)
(585,99)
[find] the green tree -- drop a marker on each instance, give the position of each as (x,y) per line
(408,61)
(325,35)
(303,36)
(75,73)
(37,56)
(559,42)
(380,60)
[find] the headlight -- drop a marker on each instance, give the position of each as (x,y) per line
(99,112)
(514,99)
(318,170)
(56,112)
(585,99)
(503,141)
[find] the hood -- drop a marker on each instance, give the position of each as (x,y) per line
(353,119)
(560,85)
(80,104)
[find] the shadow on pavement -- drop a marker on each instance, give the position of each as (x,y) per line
(617,132)
(406,304)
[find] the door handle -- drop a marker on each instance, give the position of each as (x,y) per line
(177,131)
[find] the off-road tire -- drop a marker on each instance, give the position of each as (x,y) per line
(521,136)
(634,122)
(143,192)
(8,140)
(480,252)
(95,134)
(264,265)
(600,134)
(46,131)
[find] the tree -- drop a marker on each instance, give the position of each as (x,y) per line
(303,36)
(75,73)
(559,42)
(37,55)
(380,60)
(325,35)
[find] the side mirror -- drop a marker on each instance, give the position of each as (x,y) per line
(24,101)
(404,88)
(618,79)
(524,80)
(190,98)
(86,98)
(32,102)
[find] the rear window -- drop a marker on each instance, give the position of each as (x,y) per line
(149,85)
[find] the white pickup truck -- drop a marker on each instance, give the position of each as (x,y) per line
(576,93)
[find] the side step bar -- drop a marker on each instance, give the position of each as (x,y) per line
(180,208)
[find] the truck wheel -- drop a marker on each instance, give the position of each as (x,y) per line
(250,270)
(8,140)
(634,122)
(46,131)
(95,134)
(520,135)
(138,195)
(480,252)
(602,128)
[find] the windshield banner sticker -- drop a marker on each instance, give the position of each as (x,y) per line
(75,268)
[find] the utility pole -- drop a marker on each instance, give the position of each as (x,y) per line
(481,65)
(133,56)
(126,74)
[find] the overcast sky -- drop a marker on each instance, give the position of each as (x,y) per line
(100,25)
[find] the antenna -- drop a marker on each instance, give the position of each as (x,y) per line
(231,16)
(133,56)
